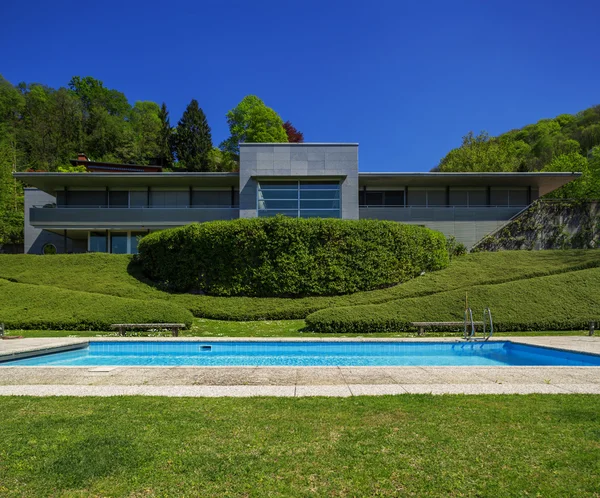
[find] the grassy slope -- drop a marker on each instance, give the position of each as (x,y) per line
(107,274)
(43,307)
(557,302)
(537,445)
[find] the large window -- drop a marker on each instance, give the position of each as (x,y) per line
(299,199)
(98,242)
(381,198)
(118,242)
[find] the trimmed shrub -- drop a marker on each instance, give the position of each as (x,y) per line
(288,257)
(525,305)
(26,306)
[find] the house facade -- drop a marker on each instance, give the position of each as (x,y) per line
(108,210)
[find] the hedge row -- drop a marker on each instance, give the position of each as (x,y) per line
(535,304)
(289,257)
(26,306)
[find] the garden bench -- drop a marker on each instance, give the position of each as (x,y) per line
(423,325)
(122,327)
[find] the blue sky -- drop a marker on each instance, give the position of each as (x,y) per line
(404,79)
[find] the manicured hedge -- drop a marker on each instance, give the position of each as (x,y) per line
(567,301)
(288,257)
(26,306)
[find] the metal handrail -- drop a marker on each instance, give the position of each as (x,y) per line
(462,206)
(469,318)
(104,206)
(488,313)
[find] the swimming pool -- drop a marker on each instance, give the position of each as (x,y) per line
(289,353)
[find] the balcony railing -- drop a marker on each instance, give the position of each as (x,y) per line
(108,216)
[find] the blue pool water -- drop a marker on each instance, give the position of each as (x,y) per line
(147,353)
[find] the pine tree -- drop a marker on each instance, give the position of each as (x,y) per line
(165,138)
(193,140)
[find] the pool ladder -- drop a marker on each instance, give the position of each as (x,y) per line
(488,326)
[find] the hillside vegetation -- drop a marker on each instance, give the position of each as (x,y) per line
(512,283)
(565,143)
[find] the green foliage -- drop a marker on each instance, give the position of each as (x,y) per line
(116,275)
(252,121)
(455,248)
(570,163)
(290,257)
(165,139)
(192,139)
(11,199)
(565,143)
(533,304)
(72,169)
(26,306)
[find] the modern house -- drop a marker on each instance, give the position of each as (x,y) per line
(108,209)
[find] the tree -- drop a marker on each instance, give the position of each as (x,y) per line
(571,163)
(293,135)
(192,139)
(252,121)
(165,138)
(146,125)
(481,153)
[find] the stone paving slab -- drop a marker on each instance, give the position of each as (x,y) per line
(295,381)
(294,391)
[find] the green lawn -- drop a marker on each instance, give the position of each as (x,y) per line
(91,291)
(410,445)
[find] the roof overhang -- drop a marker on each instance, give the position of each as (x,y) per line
(545,182)
(50,182)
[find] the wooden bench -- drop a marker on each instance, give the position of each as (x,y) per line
(423,325)
(122,327)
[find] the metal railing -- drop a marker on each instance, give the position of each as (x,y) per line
(106,206)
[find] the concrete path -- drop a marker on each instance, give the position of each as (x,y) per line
(296,381)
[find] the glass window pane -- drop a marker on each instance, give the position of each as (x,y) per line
(211,198)
(320,204)
(518,197)
(323,184)
(459,198)
(436,197)
(374,198)
(278,194)
(278,204)
(417,197)
(477,197)
(118,199)
(98,242)
(307,213)
(270,185)
(83,198)
(60,198)
(118,242)
(319,194)
(138,198)
(135,236)
(499,197)
(394,198)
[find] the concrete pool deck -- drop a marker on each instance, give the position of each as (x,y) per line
(293,381)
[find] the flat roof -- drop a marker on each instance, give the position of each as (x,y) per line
(544,181)
(48,182)
(243,144)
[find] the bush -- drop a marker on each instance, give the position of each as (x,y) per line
(26,306)
(525,305)
(287,257)
(455,248)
